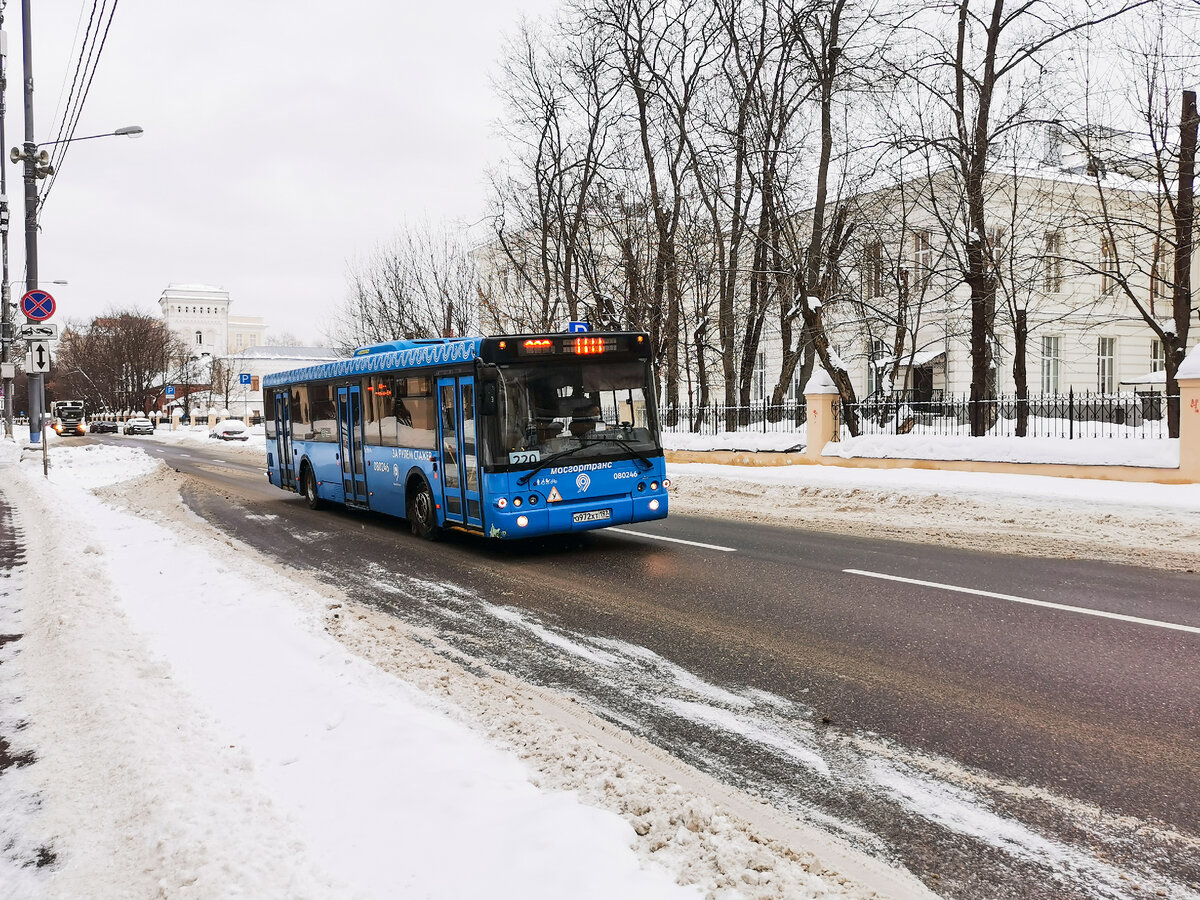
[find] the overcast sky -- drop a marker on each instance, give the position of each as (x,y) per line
(281,139)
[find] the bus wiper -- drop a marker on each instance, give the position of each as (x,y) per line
(549,459)
(621,442)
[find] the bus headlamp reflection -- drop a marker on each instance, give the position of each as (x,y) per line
(522,521)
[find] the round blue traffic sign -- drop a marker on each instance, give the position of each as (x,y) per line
(37,305)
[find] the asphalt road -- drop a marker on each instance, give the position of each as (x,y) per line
(1066,694)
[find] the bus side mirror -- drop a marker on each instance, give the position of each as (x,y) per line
(488,399)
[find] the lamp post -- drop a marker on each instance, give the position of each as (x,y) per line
(37,165)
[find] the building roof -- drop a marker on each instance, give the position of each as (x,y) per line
(208,288)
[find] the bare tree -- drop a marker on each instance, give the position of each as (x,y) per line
(424,283)
(978,69)
(118,361)
(1142,173)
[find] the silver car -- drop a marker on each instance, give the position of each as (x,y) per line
(140,425)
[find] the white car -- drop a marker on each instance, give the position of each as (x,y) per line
(230,430)
(139,425)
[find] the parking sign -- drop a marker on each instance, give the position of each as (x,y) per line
(244,378)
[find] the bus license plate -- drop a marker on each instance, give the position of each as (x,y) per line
(593,515)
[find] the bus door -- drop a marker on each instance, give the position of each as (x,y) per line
(283,440)
(460,459)
(350,433)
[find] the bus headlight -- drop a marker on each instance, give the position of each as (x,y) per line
(533,499)
(654,485)
(666,483)
(653,505)
(522,521)
(516,501)
(501,503)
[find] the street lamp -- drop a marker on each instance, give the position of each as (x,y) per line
(37,165)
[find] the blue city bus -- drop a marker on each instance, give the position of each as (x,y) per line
(509,436)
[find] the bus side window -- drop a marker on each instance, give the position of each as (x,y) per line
(372,409)
(418,421)
(324,413)
(269,414)
(385,398)
(299,413)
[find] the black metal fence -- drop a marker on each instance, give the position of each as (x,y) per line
(717,418)
(1071,415)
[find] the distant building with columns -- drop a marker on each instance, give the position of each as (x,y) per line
(198,314)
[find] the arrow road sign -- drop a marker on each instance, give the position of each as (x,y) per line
(39,356)
(41,332)
(37,305)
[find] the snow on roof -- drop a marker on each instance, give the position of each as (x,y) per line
(280,352)
(1190,367)
(196,287)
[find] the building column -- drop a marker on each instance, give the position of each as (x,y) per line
(1189,416)
(821,395)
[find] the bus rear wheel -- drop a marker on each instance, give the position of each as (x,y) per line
(422,514)
(308,484)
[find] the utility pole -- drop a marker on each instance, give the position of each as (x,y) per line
(37,389)
(6,323)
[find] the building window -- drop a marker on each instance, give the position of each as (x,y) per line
(922,259)
(1162,273)
(1052,263)
(1108,266)
(879,354)
(1106,379)
(873,270)
(996,246)
(1158,359)
(1050,365)
(199,338)
(760,376)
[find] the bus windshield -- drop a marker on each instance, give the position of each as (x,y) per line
(589,410)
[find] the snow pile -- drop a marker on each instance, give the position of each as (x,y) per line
(1139,524)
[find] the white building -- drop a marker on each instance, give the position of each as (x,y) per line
(199,316)
(258,362)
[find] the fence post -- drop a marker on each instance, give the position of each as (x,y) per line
(820,394)
(1189,416)
(1071,414)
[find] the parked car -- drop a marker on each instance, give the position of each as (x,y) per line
(230,430)
(139,425)
(103,426)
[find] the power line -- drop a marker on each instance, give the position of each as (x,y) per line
(95,63)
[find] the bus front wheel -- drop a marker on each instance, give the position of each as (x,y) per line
(422,514)
(308,483)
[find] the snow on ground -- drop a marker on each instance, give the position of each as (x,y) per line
(199,730)
(1151,452)
(1140,524)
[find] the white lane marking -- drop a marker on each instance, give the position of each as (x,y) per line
(1075,609)
(659,537)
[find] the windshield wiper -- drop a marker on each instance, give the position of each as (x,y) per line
(596,439)
(642,458)
(524,479)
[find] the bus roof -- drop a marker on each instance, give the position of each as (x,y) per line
(409,355)
(426,352)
